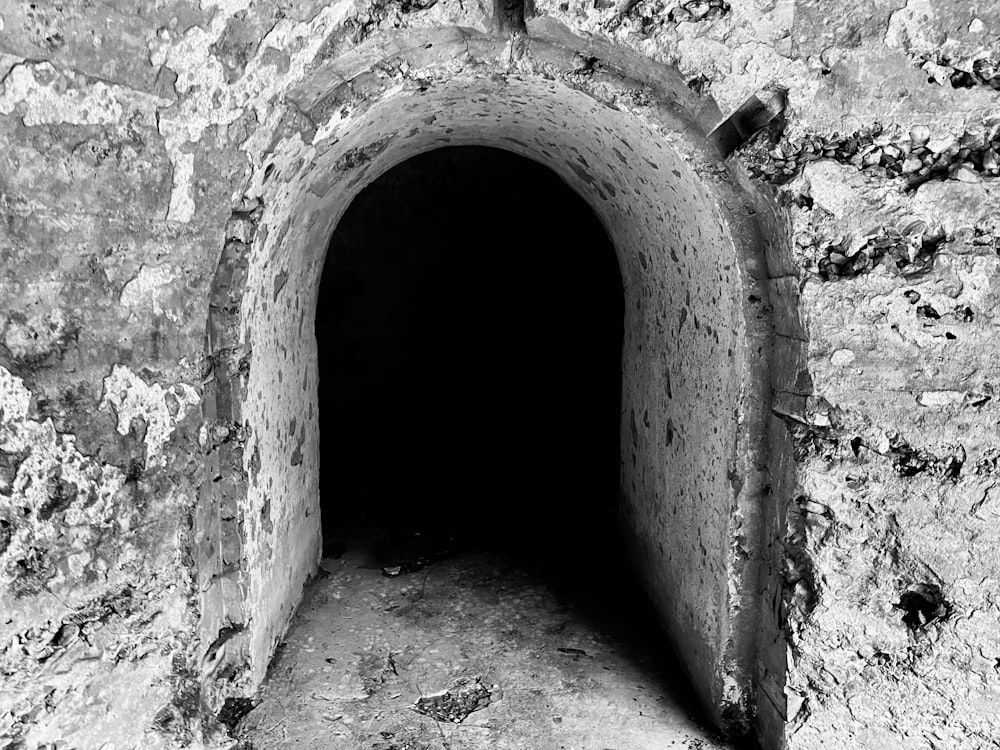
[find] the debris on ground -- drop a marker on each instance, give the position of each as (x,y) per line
(235,709)
(456,703)
(416,561)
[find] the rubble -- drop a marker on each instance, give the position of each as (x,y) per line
(908,253)
(913,158)
(964,74)
(455,704)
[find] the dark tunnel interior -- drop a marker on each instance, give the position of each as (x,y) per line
(469,327)
(470,324)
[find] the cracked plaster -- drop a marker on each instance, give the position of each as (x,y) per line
(159,408)
(39,93)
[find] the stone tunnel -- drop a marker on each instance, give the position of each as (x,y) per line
(695,354)
(801,307)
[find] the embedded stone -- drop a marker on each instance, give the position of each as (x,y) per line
(966,172)
(920,135)
(842,357)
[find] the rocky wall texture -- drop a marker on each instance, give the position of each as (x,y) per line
(885,164)
(129,131)
(102,368)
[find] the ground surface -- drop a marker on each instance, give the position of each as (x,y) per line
(529,660)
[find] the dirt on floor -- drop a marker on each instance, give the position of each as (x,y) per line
(420,646)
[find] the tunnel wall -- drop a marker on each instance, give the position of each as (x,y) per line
(693,380)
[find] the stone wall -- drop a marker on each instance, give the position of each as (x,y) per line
(887,166)
(137,141)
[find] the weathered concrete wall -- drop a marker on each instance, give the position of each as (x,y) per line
(103,303)
(131,134)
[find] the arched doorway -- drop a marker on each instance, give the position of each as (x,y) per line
(470,403)
(695,404)
(469,358)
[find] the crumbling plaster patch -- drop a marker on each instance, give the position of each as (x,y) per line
(14,398)
(34,337)
(141,291)
(110,159)
(181,201)
(93,585)
(89,488)
(39,93)
(157,408)
(46,454)
(207,96)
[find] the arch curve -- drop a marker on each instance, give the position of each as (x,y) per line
(629,137)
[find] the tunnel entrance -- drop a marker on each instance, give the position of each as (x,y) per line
(695,488)
(469,330)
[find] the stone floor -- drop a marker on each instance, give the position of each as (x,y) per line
(422,646)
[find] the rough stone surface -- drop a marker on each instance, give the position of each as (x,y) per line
(144,485)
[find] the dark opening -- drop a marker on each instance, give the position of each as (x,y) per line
(470,325)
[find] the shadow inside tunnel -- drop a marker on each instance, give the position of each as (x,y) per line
(470,328)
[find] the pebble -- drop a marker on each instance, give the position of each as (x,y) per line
(919,135)
(873,158)
(893,152)
(842,357)
(911,164)
(967,173)
(811,506)
(940,145)
(984,69)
